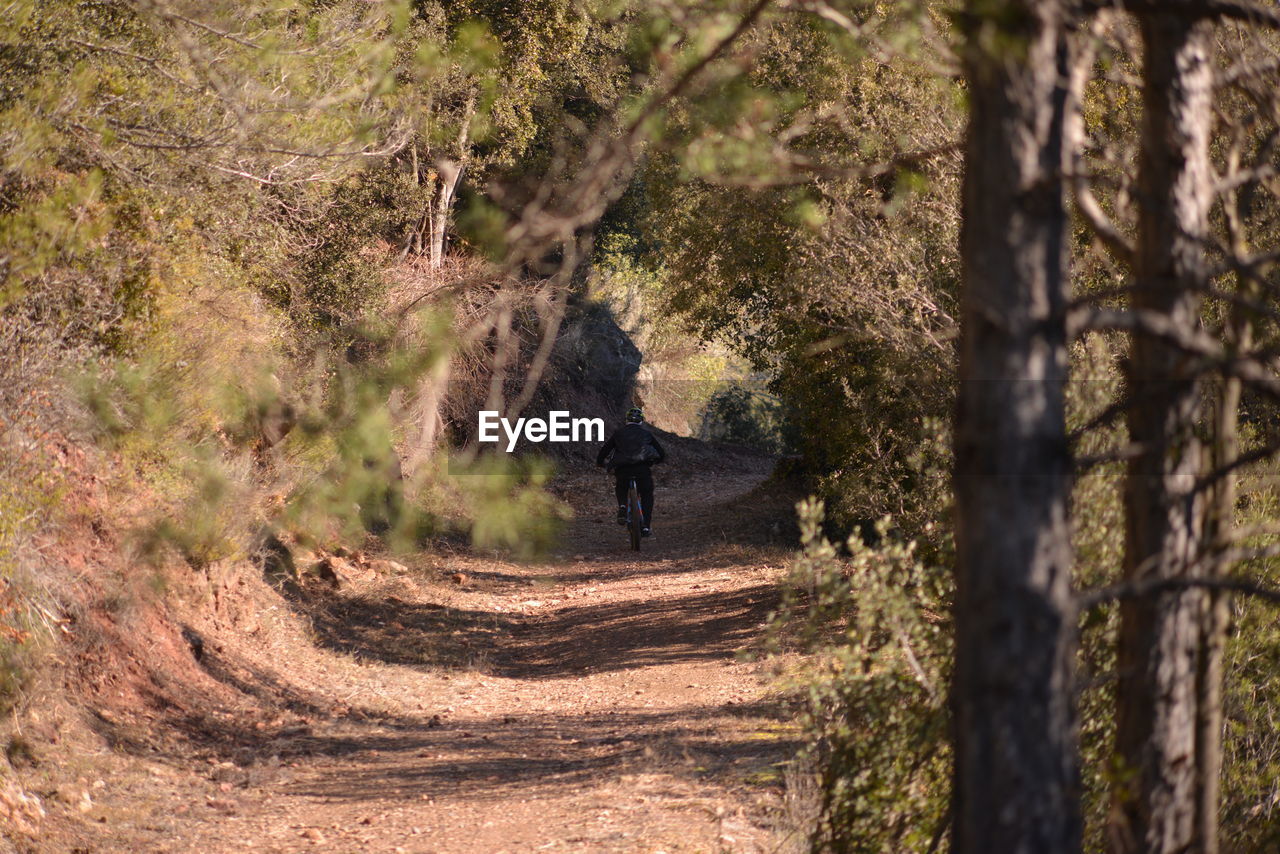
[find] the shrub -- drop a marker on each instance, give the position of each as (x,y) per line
(742,416)
(874,690)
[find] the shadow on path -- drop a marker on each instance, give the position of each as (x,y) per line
(614,635)
(630,627)
(539,754)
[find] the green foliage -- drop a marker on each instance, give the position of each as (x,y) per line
(201,210)
(28,492)
(347,429)
(842,290)
(679,373)
(1098,538)
(744,416)
(511,509)
(151,193)
(1251,742)
(548,58)
(875,625)
(141,414)
(133,160)
(212,456)
(32,487)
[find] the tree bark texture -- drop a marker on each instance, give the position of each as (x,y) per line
(451,172)
(1016,776)
(1219,533)
(1157,714)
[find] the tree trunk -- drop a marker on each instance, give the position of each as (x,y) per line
(451,172)
(1160,635)
(1016,776)
(431,397)
(1213,632)
(1221,524)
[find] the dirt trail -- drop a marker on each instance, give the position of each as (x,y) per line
(596,702)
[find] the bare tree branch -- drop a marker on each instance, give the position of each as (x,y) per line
(1238,10)
(1246,71)
(1098,220)
(1150,587)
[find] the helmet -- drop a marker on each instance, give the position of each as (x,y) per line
(635,415)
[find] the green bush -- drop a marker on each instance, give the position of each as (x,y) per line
(741,416)
(875,626)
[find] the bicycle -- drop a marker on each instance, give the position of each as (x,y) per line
(635,515)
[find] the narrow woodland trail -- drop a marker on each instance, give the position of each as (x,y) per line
(597,702)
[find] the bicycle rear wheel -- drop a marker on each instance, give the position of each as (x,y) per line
(635,516)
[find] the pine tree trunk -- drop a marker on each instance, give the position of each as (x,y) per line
(1016,778)
(1159,652)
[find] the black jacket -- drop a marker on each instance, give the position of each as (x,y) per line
(631,444)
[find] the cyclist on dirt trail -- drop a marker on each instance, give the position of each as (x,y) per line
(634,449)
